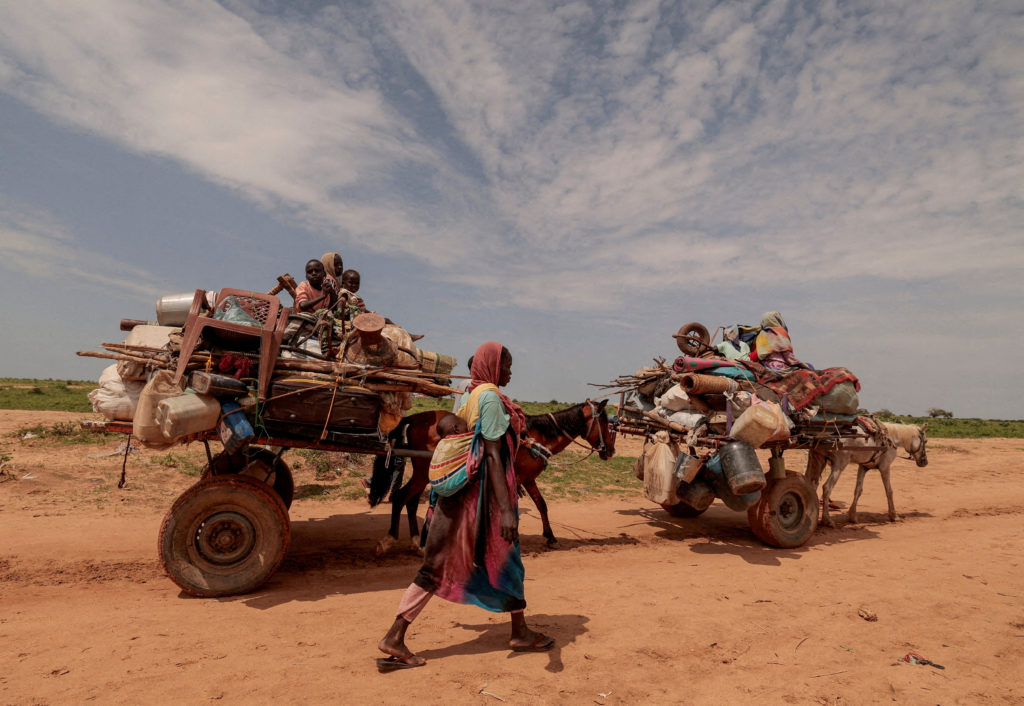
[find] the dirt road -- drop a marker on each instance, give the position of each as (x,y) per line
(646,608)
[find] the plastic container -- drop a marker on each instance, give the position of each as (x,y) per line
(756,425)
(144,426)
(216,385)
(235,430)
(187,414)
(713,472)
(741,468)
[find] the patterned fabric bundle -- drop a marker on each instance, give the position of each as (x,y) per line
(802,387)
(448,474)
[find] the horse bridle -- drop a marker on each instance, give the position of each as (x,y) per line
(916,456)
(594,419)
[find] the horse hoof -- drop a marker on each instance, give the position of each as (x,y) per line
(385,545)
(553,544)
(414,547)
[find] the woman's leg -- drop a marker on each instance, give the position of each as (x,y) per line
(393,643)
(523,638)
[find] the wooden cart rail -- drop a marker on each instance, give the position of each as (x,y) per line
(335,441)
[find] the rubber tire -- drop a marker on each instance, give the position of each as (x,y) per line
(787,513)
(692,339)
(683,510)
(283,483)
(242,506)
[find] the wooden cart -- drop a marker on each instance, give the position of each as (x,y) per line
(786,513)
(228,533)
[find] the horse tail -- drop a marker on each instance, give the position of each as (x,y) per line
(388,471)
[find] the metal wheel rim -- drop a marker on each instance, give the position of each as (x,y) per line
(790,511)
(225,538)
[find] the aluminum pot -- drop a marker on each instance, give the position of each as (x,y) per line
(172,310)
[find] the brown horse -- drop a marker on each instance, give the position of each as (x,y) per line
(545,436)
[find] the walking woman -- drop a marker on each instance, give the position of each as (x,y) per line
(472,549)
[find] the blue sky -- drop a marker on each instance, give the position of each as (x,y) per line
(575,179)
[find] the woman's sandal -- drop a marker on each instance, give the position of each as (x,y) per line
(541,643)
(391,664)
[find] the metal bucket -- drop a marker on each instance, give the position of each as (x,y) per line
(687,466)
(741,468)
(713,472)
(698,494)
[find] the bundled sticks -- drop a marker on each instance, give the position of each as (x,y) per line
(373,378)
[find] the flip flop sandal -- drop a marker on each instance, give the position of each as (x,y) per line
(392,664)
(541,643)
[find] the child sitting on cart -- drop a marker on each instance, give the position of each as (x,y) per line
(317,292)
(350,304)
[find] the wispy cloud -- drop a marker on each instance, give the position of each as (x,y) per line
(35,243)
(822,142)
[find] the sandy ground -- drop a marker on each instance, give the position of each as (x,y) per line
(646,608)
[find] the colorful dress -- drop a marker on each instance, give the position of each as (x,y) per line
(466,560)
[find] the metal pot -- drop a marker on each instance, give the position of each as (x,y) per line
(172,310)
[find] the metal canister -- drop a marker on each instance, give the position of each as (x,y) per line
(741,468)
(698,494)
(716,476)
(172,309)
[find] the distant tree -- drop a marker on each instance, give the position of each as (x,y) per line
(885,414)
(936,412)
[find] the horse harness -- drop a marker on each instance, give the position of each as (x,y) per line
(540,451)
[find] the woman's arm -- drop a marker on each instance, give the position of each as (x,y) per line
(496,478)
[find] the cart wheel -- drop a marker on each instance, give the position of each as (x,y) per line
(682,510)
(692,339)
(223,536)
(259,464)
(787,513)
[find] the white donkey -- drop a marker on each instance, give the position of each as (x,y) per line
(869,450)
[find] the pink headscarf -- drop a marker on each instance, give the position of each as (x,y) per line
(487,368)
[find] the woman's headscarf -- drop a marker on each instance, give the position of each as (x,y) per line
(773,319)
(328,260)
(487,368)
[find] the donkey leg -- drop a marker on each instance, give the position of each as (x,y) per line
(542,507)
(893,517)
(826,491)
(861,472)
(815,465)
